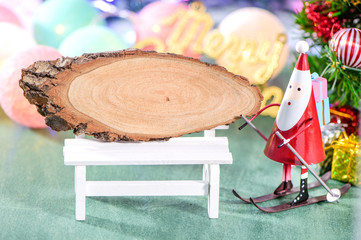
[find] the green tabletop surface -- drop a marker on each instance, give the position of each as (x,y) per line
(37,199)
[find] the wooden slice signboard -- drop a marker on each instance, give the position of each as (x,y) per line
(136,95)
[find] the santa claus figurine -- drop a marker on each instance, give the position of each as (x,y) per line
(297,121)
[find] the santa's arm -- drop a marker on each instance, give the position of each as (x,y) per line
(258,113)
(306,124)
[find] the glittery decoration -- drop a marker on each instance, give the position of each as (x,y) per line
(348,116)
(346,164)
(355,2)
(330,132)
(324,22)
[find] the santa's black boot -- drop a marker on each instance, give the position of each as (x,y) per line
(303,194)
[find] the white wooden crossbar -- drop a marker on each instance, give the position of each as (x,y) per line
(195,150)
(210,151)
(147,188)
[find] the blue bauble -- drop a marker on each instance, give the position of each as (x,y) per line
(125,28)
(89,40)
(54,20)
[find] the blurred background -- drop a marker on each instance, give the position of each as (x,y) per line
(253,38)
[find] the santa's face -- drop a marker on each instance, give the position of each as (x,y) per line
(295,100)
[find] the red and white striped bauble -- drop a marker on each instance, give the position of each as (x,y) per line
(347,45)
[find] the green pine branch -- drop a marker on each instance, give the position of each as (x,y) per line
(344,82)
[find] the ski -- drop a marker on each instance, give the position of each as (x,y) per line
(325,177)
(287,206)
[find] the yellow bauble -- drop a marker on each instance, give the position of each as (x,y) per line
(254,44)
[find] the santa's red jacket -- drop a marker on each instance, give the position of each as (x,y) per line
(308,144)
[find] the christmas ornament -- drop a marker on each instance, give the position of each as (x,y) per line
(323,21)
(218,3)
(319,21)
(124,28)
(8,15)
(346,43)
(13,39)
(89,40)
(355,2)
(252,42)
(189,31)
(319,87)
(296,139)
(148,23)
(54,20)
(297,6)
(346,163)
(24,10)
(348,116)
(297,108)
(183,32)
(330,132)
(12,100)
(343,119)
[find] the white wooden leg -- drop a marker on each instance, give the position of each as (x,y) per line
(213,197)
(210,133)
(80,194)
(81,136)
(205,172)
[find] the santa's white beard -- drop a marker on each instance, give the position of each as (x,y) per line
(294,102)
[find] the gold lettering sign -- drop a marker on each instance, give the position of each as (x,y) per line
(271,95)
(190,28)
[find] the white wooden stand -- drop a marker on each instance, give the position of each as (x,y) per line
(210,151)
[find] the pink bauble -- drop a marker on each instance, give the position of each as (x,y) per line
(148,23)
(347,45)
(12,100)
(8,15)
(13,39)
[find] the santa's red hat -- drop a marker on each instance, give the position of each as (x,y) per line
(302,62)
(298,91)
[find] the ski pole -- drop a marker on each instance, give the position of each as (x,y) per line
(306,165)
(258,113)
(254,127)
